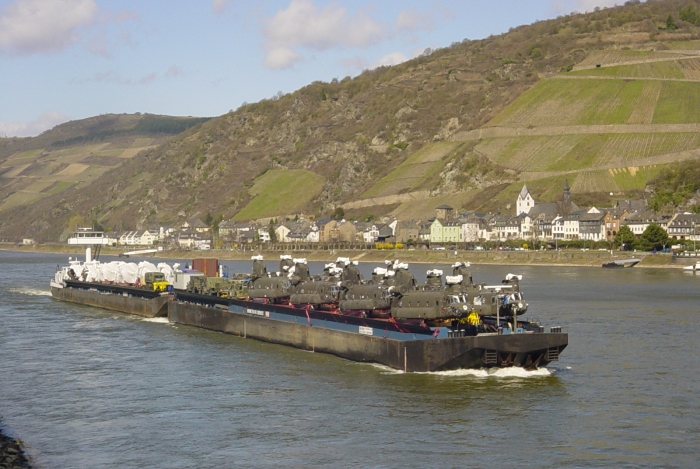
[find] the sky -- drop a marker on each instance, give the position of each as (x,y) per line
(63,60)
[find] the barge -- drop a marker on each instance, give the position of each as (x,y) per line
(418,337)
(410,348)
(138,301)
(621,264)
(78,283)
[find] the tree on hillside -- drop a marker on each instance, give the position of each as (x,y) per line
(670,24)
(625,238)
(338,213)
(688,14)
(75,222)
(271,231)
(97,226)
(654,237)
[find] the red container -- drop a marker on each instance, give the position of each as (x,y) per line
(209,267)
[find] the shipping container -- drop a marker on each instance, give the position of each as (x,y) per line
(209,267)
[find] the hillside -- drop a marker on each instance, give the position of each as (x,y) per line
(75,154)
(606,100)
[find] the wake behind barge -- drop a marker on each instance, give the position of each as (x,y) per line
(403,345)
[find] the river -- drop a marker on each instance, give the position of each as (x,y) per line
(89,388)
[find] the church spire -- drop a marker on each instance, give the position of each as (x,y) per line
(524,192)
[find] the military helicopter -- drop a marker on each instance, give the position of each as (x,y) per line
(263,286)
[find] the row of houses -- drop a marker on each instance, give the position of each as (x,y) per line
(193,233)
(561,220)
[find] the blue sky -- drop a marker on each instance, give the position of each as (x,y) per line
(70,59)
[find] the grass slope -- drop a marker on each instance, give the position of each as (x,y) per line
(568,152)
(665,69)
(566,102)
(610,57)
(423,209)
(281,192)
(679,103)
(416,169)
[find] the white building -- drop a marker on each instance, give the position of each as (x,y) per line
(525,226)
(281,233)
(558,230)
(370,234)
(263,235)
(470,231)
(313,237)
(571,226)
(148,238)
(525,201)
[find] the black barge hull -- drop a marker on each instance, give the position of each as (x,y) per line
(116,298)
(527,350)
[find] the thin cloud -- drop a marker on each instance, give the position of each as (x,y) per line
(218,6)
(98,45)
(112,76)
(281,57)
(147,79)
(581,6)
(413,20)
(590,5)
(394,58)
(101,42)
(43,26)
(302,24)
(121,16)
(46,121)
(174,71)
(355,63)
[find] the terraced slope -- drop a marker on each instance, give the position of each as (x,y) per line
(281,192)
(33,175)
(607,127)
(75,154)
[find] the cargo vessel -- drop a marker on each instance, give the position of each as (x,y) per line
(389,319)
(115,286)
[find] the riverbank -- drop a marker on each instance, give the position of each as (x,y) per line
(578,258)
(11,453)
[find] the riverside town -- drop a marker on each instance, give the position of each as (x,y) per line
(628,225)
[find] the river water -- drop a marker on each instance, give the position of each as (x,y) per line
(89,388)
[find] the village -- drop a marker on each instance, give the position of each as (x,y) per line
(535,224)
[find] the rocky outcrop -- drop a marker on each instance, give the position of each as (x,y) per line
(12,454)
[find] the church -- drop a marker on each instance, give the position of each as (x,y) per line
(526,204)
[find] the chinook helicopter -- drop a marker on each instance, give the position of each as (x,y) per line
(321,293)
(505,299)
(430,302)
(263,286)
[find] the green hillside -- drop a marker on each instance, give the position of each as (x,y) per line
(418,168)
(280,192)
(663,69)
(77,153)
(580,151)
(565,102)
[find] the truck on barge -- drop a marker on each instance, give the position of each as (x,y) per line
(388,319)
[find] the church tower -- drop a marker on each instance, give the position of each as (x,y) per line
(525,201)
